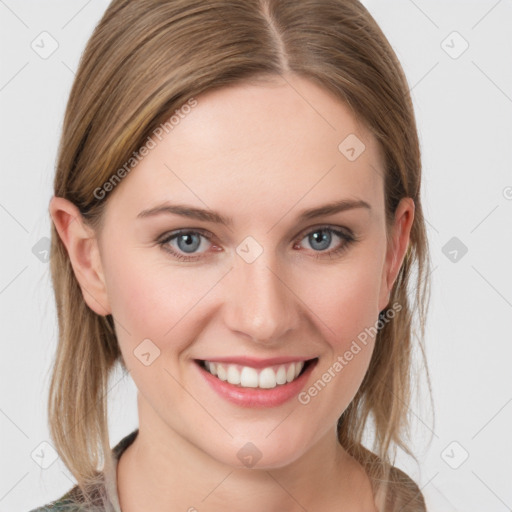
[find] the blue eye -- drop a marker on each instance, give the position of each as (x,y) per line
(187,241)
(184,244)
(321,242)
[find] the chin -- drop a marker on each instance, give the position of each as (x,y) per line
(262,453)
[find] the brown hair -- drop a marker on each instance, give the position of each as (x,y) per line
(145,59)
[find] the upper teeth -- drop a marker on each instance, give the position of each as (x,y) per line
(248,377)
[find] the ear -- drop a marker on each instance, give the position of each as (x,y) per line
(82,246)
(404,216)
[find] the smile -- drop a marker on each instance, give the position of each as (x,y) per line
(249,377)
(248,382)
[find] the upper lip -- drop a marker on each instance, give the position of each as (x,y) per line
(257,363)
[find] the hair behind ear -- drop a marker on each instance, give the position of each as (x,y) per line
(86,352)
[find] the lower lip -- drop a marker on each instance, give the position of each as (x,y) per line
(256,397)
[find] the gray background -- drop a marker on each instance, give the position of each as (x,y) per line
(463,103)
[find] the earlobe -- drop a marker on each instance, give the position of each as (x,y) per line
(82,247)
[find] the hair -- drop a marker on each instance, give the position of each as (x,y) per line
(147,58)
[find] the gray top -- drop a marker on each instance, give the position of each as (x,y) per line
(106,498)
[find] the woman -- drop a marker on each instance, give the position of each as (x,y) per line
(236,216)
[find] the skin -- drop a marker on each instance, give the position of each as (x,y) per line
(259,154)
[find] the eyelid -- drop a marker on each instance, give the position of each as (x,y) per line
(175,232)
(328,227)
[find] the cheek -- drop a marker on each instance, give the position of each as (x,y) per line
(344,304)
(345,299)
(150,299)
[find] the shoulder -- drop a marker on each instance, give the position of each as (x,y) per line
(393,489)
(97,499)
(65,504)
(74,501)
(400,493)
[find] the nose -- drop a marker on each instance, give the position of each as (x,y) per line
(260,303)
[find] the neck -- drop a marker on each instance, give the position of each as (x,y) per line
(162,468)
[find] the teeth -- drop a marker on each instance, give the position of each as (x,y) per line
(281,375)
(247,377)
(233,375)
(267,379)
(221,372)
(290,374)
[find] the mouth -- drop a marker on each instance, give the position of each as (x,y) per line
(260,377)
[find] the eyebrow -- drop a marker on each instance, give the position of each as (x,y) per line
(215,217)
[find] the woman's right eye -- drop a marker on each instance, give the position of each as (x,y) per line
(182,244)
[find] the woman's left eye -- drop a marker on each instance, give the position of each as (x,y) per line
(322,237)
(182,244)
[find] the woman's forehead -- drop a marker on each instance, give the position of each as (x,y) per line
(260,144)
(279,111)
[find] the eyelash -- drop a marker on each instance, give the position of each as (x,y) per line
(349,238)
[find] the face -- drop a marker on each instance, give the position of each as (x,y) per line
(210,261)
